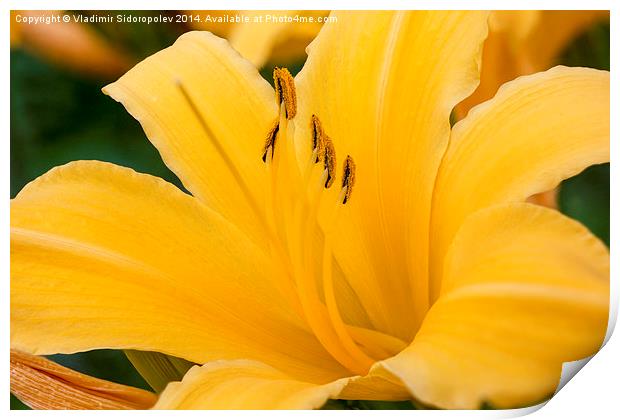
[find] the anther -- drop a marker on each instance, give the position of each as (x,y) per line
(329,160)
(270,143)
(348,178)
(318,143)
(285,91)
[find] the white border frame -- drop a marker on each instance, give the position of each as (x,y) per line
(593,393)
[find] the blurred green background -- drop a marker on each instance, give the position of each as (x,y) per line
(58,116)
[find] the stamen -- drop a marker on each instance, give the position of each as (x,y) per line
(329,334)
(329,160)
(318,142)
(285,91)
(270,143)
(348,178)
(334,313)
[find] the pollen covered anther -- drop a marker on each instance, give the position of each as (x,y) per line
(348,178)
(270,142)
(318,142)
(329,160)
(285,91)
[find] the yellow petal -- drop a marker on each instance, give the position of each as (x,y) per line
(525,290)
(537,131)
(386,101)
(244,385)
(522,42)
(103,257)
(378,385)
(503,55)
(44,385)
(222,167)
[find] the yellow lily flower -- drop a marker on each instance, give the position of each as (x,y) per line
(340,241)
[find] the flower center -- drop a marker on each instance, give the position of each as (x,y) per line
(290,218)
(306,242)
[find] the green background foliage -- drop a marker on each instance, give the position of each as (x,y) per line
(58,117)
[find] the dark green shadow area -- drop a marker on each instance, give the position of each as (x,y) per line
(17,404)
(111,365)
(586,198)
(590,49)
(57,118)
